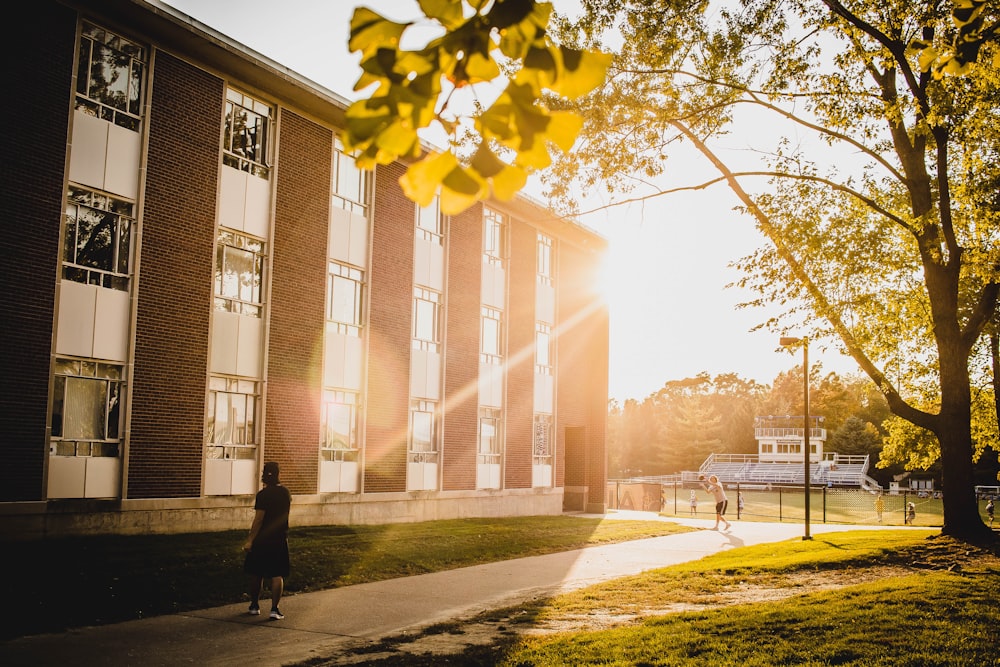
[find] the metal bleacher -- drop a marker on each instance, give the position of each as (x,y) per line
(835,470)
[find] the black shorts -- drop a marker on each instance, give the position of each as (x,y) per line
(720,507)
(267,560)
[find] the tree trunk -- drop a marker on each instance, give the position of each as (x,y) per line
(954,434)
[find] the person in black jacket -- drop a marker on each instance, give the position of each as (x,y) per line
(267,545)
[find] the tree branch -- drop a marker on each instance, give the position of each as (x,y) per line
(899,406)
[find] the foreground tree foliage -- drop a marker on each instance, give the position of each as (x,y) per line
(480,82)
(875,174)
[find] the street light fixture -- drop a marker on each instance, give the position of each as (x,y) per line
(786,341)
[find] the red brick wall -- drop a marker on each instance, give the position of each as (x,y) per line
(582,370)
(175,286)
(40,60)
(391,289)
(465,251)
(297,314)
(520,355)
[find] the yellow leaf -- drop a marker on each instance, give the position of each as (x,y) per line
(580,72)
(564,128)
(508,182)
(371,31)
(421,181)
(447,12)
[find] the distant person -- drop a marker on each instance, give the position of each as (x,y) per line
(721,502)
(911,513)
(694,502)
(989,511)
(879,506)
(267,545)
(739,504)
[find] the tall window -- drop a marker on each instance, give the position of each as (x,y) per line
(542,439)
(98,239)
(110,77)
(429,222)
(350,184)
(339,423)
(423,431)
(494,234)
(239,273)
(245,144)
(345,293)
(86,408)
(489,435)
(492,329)
(544,260)
(426,319)
(543,348)
(232,417)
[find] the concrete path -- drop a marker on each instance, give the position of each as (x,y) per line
(317,623)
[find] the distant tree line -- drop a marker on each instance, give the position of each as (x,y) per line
(677,427)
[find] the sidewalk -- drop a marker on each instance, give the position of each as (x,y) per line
(318,624)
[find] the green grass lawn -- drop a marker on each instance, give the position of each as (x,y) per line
(71,582)
(931,611)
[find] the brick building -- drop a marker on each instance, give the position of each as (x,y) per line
(199,279)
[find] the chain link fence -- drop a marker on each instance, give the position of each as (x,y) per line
(780,503)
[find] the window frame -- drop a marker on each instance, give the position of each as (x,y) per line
(430,454)
(107,417)
(359,200)
(494,238)
(246,445)
(339,398)
(231,243)
(258,160)
(118,213)
(336,273)
(93,38)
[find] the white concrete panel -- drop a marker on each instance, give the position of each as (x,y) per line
(340,234)
(218,477)
(353,362)
(334,355)
(77,305)
(436,278)
(244,477)
(225,338)
(67,475)
(491,385)
(434,364)
(541,475)
(258,207)
(544,390)
(111,325)
(89,152)
(422,262)
(338,477)
(418,373)
(122,172)
(232,198)
(487,475)
(421,476)
(349,476)
(249,352)
(545,303)
(359,240)
(103,475)
(492,291)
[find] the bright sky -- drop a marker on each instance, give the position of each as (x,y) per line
(671,315)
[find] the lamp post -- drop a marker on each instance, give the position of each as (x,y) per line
(786,341)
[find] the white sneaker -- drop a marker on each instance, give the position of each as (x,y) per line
(276,614)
